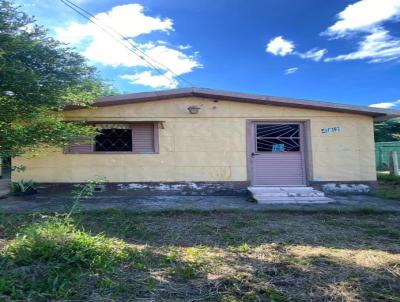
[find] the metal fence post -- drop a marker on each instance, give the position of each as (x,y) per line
(394,164)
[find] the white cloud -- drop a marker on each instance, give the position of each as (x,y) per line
(314,54)
(376,47)
(364,18)
(291,70)
(183,47)
(364,15)
(180,62)
(130,21)
(151,79)
(278,46)
(386,105)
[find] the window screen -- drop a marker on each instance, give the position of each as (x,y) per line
(277,137)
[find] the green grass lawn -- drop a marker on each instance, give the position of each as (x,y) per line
(389,186)
(201,256)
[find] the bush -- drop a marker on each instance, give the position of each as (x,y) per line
(388,178)
(23,187)
(57,240)
(55,259)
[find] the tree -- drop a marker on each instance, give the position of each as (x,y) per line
(39,76)
(387,131)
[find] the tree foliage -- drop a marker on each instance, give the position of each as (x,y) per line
(387,131)
(39,76)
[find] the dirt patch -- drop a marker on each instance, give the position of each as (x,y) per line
(234,256)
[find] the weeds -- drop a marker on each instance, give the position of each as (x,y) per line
(23,187)
(242,248)
(389,186)
(52,258)
(83,191)
(221,256)
(388,178)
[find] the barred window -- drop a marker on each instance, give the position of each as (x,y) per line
(114,140)
(278,138)
(138,137)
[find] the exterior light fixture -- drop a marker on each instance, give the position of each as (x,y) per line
(194,109)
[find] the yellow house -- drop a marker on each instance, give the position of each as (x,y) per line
(202,139)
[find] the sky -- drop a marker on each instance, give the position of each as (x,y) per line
(340,51)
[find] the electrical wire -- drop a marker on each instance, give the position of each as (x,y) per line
(143,56)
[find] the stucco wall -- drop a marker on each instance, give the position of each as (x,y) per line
(209,146)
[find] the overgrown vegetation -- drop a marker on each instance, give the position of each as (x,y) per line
(387,131)
(39,76)
(202,256)
(389,186)
(23,187)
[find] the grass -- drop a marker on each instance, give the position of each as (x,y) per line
(389,186)
(201,256)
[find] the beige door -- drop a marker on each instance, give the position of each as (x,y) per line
(277,154)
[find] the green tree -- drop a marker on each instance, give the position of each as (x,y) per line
(387,131)
(39,76)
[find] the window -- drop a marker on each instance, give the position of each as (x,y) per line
(278,137)
(114,140)
(134,137)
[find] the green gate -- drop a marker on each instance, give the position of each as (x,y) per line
(382,153)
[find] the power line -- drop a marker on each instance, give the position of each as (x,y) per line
(116,39)
(130,43)
(143,56)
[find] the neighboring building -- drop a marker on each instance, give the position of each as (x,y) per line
(200,138)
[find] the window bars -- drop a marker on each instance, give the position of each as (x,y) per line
(277,137)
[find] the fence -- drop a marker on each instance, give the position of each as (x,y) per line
(382,153)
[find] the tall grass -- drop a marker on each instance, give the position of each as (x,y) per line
(52,258)
(55,259)
(58,240)
(389,186)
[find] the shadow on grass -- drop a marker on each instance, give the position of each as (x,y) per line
(53,259)
(355,230)
(203,256)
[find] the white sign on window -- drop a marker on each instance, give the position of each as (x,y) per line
(330,130)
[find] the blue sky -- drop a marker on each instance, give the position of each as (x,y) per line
(341,51)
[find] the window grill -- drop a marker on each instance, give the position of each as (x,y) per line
(114,140)
(140,137)
(278,138)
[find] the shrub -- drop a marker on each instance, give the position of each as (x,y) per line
(388,178)
(58,240)
(23,187)
(53,259)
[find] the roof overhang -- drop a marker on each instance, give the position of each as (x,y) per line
(376,113)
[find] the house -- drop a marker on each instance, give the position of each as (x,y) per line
(202,140)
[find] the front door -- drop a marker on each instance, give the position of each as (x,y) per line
(277,154)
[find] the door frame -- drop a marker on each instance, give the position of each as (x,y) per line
(305,139)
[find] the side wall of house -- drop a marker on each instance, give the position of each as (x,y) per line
(209,146)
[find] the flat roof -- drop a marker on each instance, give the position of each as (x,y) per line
(377,113)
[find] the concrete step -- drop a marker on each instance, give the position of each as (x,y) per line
(280,189)
(295,201)
(314,193)
(273,195)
